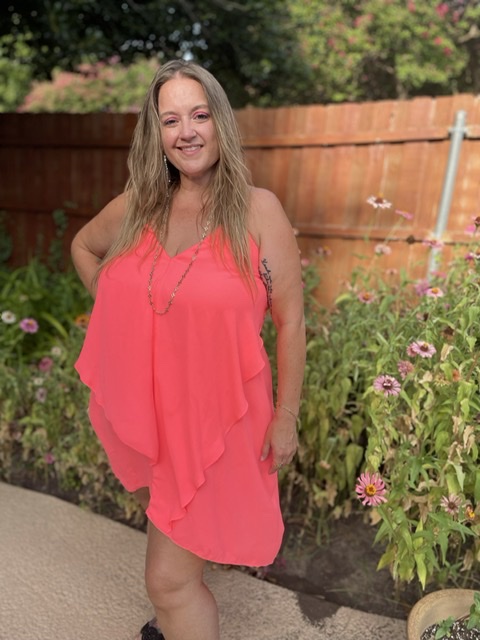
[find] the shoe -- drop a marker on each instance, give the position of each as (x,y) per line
(150,631)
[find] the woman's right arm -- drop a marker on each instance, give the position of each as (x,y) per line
(94,239)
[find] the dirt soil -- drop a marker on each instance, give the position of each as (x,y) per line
(343,570)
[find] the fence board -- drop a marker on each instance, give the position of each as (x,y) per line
(322,161)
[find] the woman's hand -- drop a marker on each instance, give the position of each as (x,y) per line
(281,440)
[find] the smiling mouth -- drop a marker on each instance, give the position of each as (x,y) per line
(193,147)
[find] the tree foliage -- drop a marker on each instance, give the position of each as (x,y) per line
(379,49)
(15,77)
(264,52)
(102,86)
(248,45)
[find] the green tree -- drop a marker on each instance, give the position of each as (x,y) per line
(248,45)
(379,49)
(15,77)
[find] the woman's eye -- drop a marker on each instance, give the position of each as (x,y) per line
(201,116)
(169,122)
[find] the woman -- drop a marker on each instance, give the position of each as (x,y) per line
(183,266)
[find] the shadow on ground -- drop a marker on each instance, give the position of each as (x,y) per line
(343,571)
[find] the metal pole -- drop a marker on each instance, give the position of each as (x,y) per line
(458,132)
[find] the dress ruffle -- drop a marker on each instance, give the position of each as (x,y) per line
(172,387)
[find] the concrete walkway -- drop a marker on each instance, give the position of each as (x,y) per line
(68,574)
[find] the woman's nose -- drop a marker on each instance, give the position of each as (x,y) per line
(186,128)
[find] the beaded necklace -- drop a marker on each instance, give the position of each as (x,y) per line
(159,249)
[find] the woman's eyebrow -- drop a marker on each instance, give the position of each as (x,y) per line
(173,113)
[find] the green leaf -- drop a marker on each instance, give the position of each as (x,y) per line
(55,323)
(421,568)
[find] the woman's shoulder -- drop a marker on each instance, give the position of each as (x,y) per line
(265,212)
(263,199)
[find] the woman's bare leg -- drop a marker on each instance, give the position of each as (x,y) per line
(185,608)
(143,497)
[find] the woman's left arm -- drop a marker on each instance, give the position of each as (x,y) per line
(281,272)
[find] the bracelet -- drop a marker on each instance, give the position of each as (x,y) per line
(282,406)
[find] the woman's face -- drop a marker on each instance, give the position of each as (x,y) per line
(188,134)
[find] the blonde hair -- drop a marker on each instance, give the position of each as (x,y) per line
(150,183)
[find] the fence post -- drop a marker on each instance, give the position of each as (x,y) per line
(458,132)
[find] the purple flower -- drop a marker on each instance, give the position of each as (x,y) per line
(421,287)
(49,458)
(388,385)
(28,325)
(45,364)
(451,504)
(370,489)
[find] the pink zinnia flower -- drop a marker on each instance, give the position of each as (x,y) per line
(323,251)
(451,504)
(49,458)
(370,489)
(383,249)
(378,202)
(404,214)
(473,255)
(305,262)
(45,364)
(423,349)
(421,287)
(404,368)
(388,385)
(434,292)
(433,243)
(366,297)
(28,325)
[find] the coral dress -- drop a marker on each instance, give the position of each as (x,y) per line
(181,402)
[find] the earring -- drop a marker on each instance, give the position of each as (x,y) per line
(167,170)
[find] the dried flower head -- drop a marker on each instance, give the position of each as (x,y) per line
(404,368)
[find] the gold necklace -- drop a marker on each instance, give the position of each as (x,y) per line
(162,312)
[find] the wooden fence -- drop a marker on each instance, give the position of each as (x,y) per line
(323,162)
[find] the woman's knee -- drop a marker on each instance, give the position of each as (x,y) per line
(168,586)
